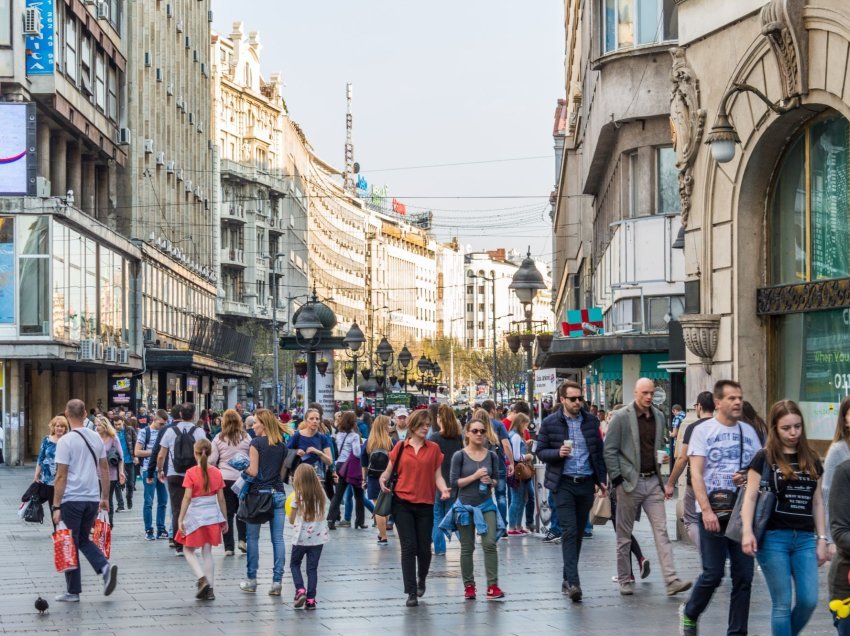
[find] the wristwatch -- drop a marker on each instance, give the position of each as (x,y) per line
(824,537)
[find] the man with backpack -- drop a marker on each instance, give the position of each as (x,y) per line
(145,449)
(178,446)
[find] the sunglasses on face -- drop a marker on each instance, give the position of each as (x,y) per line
(574,398)
(477,431)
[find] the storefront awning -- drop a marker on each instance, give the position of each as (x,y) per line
(184,361)
(576,353)
(649,366)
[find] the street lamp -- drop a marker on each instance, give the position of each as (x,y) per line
(354,340)
(527,281)
(384,353)
(275,347)
(404,361)
(310,329)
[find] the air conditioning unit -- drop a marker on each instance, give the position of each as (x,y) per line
(123,356)
(110,354)
(169,167)
(124,136)
(188,185)
(198,191)
(102,10)
(160,158)
(180,174)
(149,335)
(179,102)
(179,26)
(169,88)
(148,146)
(98,351)
(32,21)
(200,126)
(88,349)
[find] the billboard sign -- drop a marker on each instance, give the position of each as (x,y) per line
(17,149)
(583,322)
(40,43)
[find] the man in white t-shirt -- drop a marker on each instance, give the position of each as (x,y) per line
(719,449)
(174,478)
(81,489)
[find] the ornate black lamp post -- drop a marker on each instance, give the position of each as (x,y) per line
(384,357)
(527,281)
(354,340)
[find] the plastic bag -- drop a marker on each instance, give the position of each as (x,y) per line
(64,551)
(102,533)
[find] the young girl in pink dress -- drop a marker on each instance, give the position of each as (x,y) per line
(202,519)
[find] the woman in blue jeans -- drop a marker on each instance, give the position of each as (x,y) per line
(267,453)
(794,544)
(450,440)
(519,489)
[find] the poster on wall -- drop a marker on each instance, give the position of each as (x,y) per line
(17,149)
(324,384)
(583,322)
(41,37)
(121,389)
(7,270)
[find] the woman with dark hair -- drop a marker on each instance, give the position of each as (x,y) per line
(418,477)
(232,441)
(347,445)
(789,551)
(450,440)
(749,415)
(839,452)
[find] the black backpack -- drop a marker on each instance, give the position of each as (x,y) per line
(379,459)
(184,449)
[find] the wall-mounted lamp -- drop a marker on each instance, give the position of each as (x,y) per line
(722,137)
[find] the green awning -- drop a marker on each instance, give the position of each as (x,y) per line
(649,366)
(610,368)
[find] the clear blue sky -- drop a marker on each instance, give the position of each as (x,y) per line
(440,82)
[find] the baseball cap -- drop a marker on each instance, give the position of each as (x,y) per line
(402,411)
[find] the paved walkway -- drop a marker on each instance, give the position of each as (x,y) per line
(359,591)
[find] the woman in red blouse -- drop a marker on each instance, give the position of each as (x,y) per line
(418,477)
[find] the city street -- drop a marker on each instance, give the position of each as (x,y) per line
(359,589)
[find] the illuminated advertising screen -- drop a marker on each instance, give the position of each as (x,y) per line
(17,149)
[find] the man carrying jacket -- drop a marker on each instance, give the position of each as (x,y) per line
(635,437)
(570,444)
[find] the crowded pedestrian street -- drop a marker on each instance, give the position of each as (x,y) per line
(360,588)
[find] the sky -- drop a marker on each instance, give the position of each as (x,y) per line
(471,82)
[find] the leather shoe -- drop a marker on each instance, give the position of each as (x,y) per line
(412,600)
(626,589)
(420,588)
(574,592)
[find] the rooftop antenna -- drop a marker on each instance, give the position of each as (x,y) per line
(350,167)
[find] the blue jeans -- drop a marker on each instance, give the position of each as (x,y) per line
(313,554)
(713,549)
(517,507)
(440,509)
(278,549)
(502,496)
(784,555)
(79,516)
(161,501)
(554,526)
(348,503)
(842,625)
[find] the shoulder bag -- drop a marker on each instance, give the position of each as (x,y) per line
(722,502)
(384,502)
(765,504)
(256,507)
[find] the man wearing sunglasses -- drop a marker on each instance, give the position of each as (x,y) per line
(570,444)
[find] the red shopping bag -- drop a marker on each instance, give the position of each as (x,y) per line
(102,533)
(64,550)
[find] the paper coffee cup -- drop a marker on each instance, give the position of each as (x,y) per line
(568,443)
(660,455)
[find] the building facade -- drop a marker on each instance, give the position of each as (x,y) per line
(617,205)
(451,290)
(767,241)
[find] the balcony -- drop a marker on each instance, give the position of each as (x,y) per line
(233,257)
(234,213)
(260,133)
(235,308)
(236,170)
(275,224)
(263,261)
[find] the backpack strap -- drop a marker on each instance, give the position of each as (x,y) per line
(94,457)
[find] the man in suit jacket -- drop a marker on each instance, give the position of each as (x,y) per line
(635,435)
(570,444)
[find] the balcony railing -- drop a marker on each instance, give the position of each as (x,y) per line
(232,256)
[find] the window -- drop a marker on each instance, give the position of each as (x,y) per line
(667,182)
(629,23)
(71,48)
(811,207)
(469,307)
(7,268)
(481,307)
(86,65)
(112,94)
(634,184)
(5,22)
(100,81)
(470,289)
(33,239)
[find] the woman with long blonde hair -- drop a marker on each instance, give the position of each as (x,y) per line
(114,458)
(267,453)
(450,440)
(233,440)
(309,534)
(376,456)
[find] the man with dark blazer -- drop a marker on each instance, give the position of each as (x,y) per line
(635,437)
(570,444)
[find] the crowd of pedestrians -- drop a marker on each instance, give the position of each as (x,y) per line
(472,479)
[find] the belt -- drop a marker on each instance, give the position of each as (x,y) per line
(576,480)
(648,474)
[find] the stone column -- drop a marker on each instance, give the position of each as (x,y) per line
(101,193)
(86,200)
(43,133)
(75,172)
(58,158)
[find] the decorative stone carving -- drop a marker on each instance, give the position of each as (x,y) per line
(701,332)
(687,121)
(782,25)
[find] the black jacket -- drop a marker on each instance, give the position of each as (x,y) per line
(553,431)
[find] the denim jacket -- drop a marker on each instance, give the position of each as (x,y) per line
(459,513)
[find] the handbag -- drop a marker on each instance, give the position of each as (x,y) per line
(351,470)
(523,470)
(34,511)
(257,507)
(113,456)
(384,502)
(765,504)
(722,502)
(600,512)
(290,463)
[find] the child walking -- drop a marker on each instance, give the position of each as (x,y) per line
(310,533)
(202,519)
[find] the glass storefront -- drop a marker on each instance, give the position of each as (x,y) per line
(811,242)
